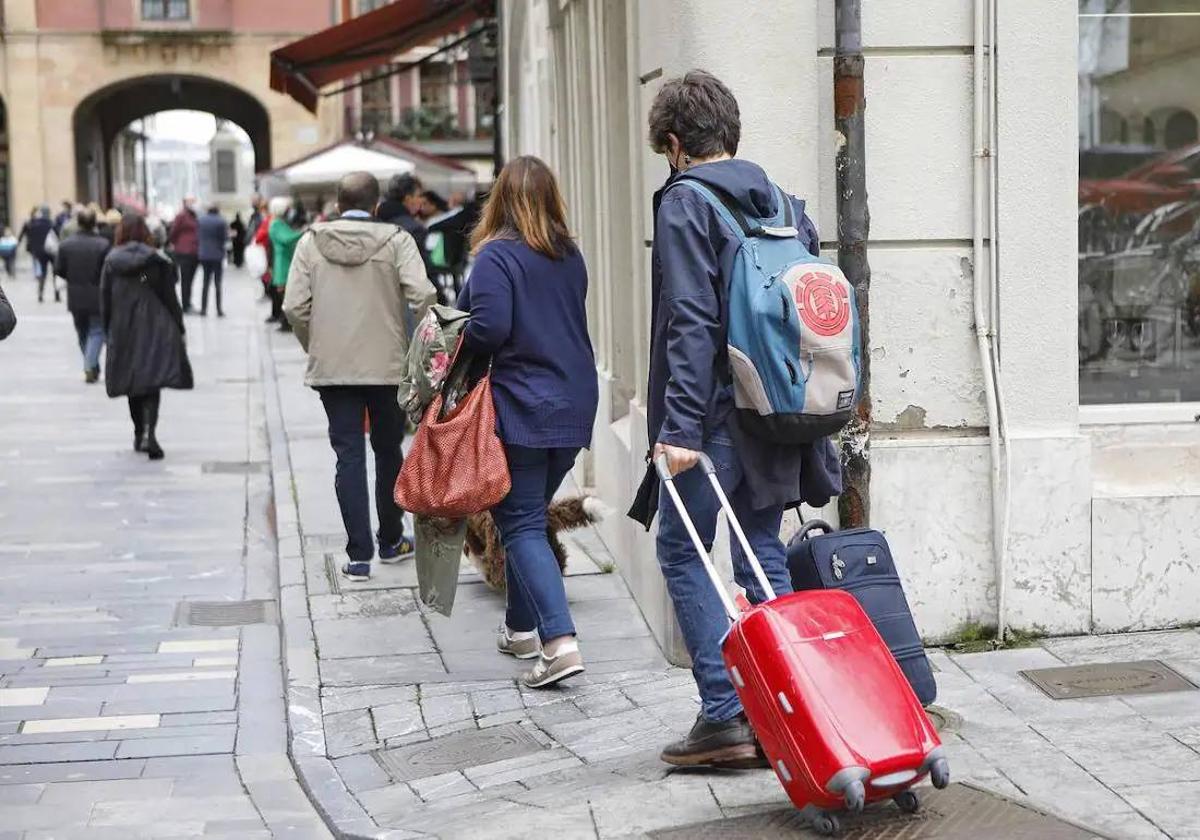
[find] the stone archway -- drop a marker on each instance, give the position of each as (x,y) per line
(100,116)
(1180,129)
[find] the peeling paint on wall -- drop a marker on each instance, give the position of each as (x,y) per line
(912,417)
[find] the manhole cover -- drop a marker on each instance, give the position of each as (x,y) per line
(226,613)
(233,467)
(944,720)
(958,811)
(457,752)
(1107,679)
(400,576)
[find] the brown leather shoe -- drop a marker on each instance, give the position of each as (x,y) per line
(729,744)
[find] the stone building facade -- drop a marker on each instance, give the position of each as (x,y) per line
(1082,515)
(74,73)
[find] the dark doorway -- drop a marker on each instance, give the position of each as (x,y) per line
(100,117)
(1180,130)
(5,209)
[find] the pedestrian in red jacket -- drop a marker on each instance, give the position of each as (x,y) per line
(184,241)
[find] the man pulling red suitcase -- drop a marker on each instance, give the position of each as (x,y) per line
(836,717)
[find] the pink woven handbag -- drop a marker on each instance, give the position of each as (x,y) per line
(456,466)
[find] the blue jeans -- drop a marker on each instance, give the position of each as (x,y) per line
(536,595)
(698,608)
(346,406)
(90,330)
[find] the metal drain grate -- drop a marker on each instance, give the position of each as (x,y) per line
(457,752)
(234,467)
(1108,679)
(944,720)
(954,813)
(226,613)
(383,577)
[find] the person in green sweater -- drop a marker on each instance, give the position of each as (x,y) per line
(288,224)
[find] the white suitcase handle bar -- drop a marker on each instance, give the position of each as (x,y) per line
(710,470)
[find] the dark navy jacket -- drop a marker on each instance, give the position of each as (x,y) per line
(212,232)
(530,313)
(688,398)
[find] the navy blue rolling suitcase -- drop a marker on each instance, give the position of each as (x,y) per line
(860,562)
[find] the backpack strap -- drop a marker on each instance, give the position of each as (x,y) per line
(749,228)
(725,206)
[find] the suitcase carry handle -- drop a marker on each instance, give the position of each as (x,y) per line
(664,472)
(814,525)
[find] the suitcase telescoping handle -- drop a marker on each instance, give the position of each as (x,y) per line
(806,531)
(710,470)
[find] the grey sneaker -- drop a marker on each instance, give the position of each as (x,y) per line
(551,670)
(521,644)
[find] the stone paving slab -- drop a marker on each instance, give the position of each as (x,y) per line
(96,631)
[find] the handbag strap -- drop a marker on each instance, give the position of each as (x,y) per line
(456,374)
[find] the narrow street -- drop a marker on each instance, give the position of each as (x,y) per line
(123,713)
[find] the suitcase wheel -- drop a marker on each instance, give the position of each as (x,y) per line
(856,797)
(939,773)
(907,801)
(827,825)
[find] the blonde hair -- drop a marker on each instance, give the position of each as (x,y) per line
(525,204)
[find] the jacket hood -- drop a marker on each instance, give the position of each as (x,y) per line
(742,180)
(351,241)
(133,257)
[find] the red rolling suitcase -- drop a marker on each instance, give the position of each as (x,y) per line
(835,715)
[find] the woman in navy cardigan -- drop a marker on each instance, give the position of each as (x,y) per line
(527,298)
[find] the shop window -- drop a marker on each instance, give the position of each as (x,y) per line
(365,6)
(165,10)
(376,102)
(1139,201)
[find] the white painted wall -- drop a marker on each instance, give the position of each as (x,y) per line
(931,491)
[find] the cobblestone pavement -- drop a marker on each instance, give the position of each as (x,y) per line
(116,720)
(400,723)
(391,681)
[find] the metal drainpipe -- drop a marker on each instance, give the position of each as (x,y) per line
(985,293)
(854,225)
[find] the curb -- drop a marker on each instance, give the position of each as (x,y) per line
(342,813)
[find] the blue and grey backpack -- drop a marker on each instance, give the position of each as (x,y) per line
(793,340)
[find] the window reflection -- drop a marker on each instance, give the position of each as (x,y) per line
(1139,201)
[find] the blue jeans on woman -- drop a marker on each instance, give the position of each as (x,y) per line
(698,608)
(536,595)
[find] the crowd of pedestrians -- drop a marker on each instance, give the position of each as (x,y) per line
(353,282)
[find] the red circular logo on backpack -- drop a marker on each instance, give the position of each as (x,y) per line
(823,303)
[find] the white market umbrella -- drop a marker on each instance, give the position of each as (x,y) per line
(329,166)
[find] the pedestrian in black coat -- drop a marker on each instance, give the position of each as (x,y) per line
(405,197)
(237,232)
(34,234)
(8,318)
(144,325)
(80,261)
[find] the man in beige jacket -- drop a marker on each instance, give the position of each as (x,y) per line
(349,289)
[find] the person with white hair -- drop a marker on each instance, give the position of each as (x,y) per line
(288,224)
